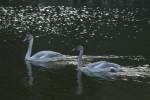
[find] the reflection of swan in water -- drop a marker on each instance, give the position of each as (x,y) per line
(101,68)
(42,56)
(79,83)
(29,73)
(50,65)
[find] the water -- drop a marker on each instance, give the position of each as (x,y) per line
(107,34)
(111,30)
(21,80)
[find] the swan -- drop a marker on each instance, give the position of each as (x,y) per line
(96,68)
(42,56)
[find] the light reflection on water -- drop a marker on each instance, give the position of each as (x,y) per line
(51,81)
(82,23)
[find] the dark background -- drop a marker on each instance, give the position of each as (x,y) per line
(79,3)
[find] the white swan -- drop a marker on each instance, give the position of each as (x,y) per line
(42,56)
(96,67)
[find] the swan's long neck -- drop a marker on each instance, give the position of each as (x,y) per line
(80,59)
(28,54)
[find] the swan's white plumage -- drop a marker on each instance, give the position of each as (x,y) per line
(101,66)
(41,56)
(98,69)
(46,56)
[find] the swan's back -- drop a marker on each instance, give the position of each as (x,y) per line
(46,56)
(102,66)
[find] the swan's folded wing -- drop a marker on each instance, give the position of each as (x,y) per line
(97,64)
(46,54)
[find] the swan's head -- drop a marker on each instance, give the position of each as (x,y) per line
(78,48)
(28,37)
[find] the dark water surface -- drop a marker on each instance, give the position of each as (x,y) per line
(23,81)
